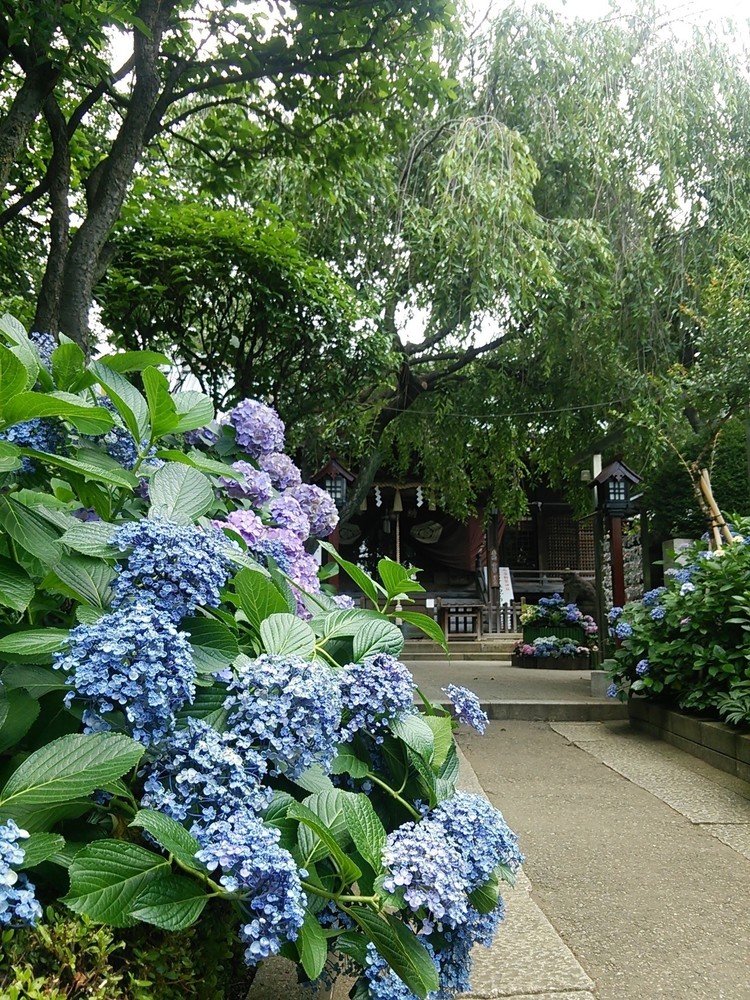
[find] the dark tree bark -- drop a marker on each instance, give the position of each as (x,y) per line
(81,270)
(48,303)
(23,112)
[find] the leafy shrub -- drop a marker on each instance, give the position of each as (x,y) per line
(688,643)
(554,611)
(193,731)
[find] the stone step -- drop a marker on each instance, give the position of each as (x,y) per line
(491,657)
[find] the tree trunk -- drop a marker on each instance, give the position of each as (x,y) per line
(23,112)
(82,264)
(47,316)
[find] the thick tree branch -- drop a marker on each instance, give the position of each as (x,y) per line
(48,302)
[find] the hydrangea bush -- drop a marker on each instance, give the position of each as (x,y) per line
(190,720)
(554,611)
(688,643)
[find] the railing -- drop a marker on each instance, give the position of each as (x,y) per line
(503,619)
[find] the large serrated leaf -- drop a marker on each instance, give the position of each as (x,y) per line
(129,402)
(107,876)
(328,806)
(89,419)
(416,734)
(33,645)
(442,731)
(170,835)
(365,829)
(13,375)
(39,847)
(89,578)
(312,946)
(258,596)
(29,530)
(397,579)
(180,493)
(34,679)
(68,768)
(161,407)
(214,645)
(377,635)
(345,762)
(427,625)
(347,868)
(16,586)
(287,635)
(172,902)
(194,410)
(401,949)
(22,712)
(366,584)
(91,538)
(92,471)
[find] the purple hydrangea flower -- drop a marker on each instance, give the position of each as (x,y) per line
(133,660)
(177,567)
(467,706)
(258,428)
(265,877)
(288,514)
(288,709)
(282,470)
(319,507)
(343,601)
(375,692)
(255,485)
(248,526)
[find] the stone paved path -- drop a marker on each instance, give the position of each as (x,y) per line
(637,856)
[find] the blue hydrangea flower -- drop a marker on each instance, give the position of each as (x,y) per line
(133,660)
(612,691)
(177,567)
(265,877)
(683,575)
(203,435)
(286,512)
(613,615)
(41,434)
(45,344)
(288,709)
(658,613)
(282,470)
(624,630)
(258,428)
(384,984)
(18,903)
(652,597)
(478,832)
(687,588)
(254,486)
(374,693)
(424,866)
(452,951)
(203,776)
(642,668)
(319,507)
(467,706)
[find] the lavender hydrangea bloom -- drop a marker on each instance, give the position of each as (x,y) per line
(41,434)
(133,660)
(204,435)
(204,776)
(258,428)
(177,567)
(480,835)
(374,692)
(286,512)
(468,708)
(45,344)
(428,870)
(319,507)
(288,709)
(253,865)
(642,668)
(248,526)
(18,903)
(282,470)
(343,601)
(255,485)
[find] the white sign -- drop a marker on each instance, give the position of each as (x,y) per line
(505,593)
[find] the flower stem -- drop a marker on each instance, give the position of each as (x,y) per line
(387,788)
(317,891)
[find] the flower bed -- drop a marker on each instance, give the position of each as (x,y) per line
(189,721)
(687,644)
(551,616)
(551,653)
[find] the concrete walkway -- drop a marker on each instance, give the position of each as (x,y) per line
(637,855)
(516,693)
